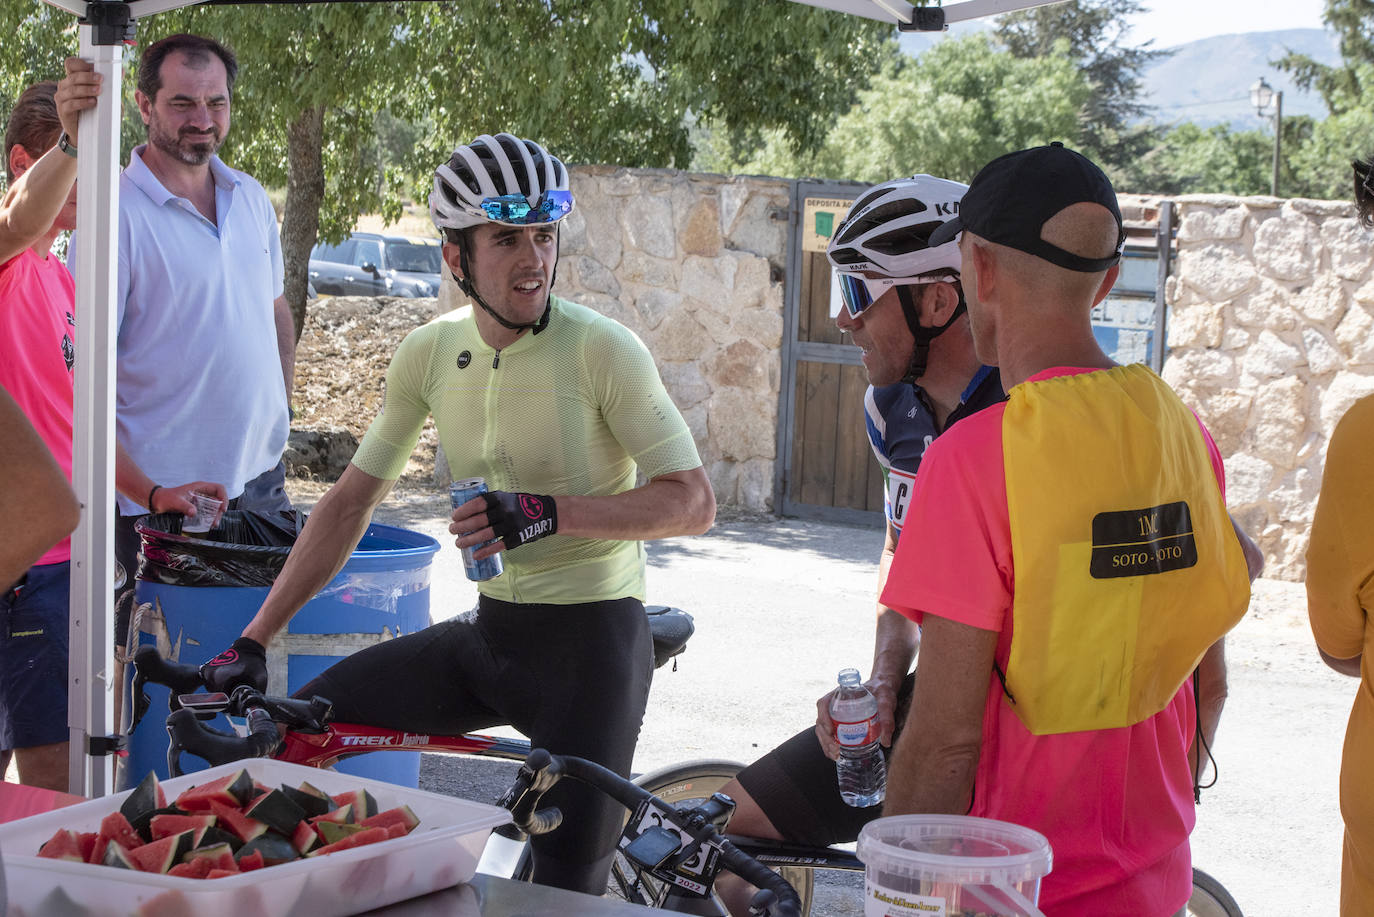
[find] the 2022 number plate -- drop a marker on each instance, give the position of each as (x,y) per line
(695,872)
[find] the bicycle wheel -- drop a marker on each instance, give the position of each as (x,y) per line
(676,785)
(1210,898)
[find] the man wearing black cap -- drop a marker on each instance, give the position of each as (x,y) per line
(1070,559)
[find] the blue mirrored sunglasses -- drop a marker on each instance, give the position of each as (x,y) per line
(860,292)
(552,206)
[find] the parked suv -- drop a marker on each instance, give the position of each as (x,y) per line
(370,264)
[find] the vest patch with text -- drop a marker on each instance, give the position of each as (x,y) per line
(1142,542)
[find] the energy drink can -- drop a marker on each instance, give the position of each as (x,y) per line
(460,492)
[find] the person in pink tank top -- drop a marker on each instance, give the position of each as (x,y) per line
(37,357)
(37,336)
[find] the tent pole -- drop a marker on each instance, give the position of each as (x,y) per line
(91,671)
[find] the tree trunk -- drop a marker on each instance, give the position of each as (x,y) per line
(304,194)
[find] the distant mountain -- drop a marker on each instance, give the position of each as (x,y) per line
(1208,81)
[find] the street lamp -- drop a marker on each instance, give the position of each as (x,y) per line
(1262,96)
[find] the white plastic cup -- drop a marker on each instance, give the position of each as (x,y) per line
(208,511)
(953,865)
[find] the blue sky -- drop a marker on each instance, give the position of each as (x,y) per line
(1173,22)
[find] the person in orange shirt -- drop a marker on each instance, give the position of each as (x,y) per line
(1340,598)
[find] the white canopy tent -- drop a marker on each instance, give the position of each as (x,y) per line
(105,26)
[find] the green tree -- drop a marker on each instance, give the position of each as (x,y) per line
(596,80)
(948,112)
(1095,30)
(1323,164)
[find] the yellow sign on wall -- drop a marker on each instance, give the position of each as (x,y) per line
(820,217)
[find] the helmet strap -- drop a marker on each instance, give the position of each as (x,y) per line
(470,290)
(921,334)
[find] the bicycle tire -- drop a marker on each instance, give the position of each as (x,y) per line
(675,785)
(1210,898)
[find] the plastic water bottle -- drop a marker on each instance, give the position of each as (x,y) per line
(861,770)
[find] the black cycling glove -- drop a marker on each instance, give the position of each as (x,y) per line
(244,663)
(518,519)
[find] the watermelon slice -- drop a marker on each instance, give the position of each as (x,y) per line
(401,815)
(310,799)
(362,838)
(64,845)
(330,832)
(217,856)
(161,855)
(115,827)
(222,873)
(305,838)
(166,825)
(217,835)
(198,868)
(273,848)
(251,862)
(277,811)
(364,806)
(343,815)
(235,822)
(87,840)
(116,855)
(144,798)
(232,790)
(171,903)
(143,823)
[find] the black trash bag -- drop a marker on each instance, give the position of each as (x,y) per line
(245,549)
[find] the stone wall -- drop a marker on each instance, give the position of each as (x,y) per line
(1271,339)
(693,264)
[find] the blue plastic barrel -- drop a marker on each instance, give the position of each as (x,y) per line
(381,593)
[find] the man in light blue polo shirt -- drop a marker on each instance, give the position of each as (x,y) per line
(206,344)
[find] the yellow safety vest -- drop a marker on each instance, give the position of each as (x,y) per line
(1127,567)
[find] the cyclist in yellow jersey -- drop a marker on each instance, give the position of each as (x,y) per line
(558,408)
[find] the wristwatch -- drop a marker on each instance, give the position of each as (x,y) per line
(65,144)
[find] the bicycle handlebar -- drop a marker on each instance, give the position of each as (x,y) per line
(188,733)
(542,770)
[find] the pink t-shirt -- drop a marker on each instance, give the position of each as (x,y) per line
(37,352)
(1116,804)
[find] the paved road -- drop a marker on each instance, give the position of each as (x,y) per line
(781,606)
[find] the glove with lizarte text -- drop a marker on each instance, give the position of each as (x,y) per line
(244,663)
(518,519)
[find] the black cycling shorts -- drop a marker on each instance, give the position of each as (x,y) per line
(795,786)
(573,678)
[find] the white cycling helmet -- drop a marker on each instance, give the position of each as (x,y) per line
(500,179)
(886,228)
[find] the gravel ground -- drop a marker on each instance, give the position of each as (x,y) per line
(782,605)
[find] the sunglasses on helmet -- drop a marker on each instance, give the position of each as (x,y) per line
(860,292)
(516,210)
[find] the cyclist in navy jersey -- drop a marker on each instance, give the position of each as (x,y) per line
(904,306)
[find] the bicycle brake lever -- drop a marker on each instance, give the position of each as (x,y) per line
(537,776)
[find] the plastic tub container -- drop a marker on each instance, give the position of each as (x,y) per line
(441,852)
(382,592)
(951,866)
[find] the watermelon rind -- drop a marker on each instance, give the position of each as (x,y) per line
(277,811)
(272,847)
(143,799)
(315,803)
(332,832)
(116,855)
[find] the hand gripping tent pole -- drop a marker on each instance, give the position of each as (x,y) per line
(104,28)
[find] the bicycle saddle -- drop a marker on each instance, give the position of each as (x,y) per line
(671,629)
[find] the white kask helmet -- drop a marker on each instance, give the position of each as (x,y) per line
(886,228)
(485,181)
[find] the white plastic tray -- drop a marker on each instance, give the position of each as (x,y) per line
(442,851)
